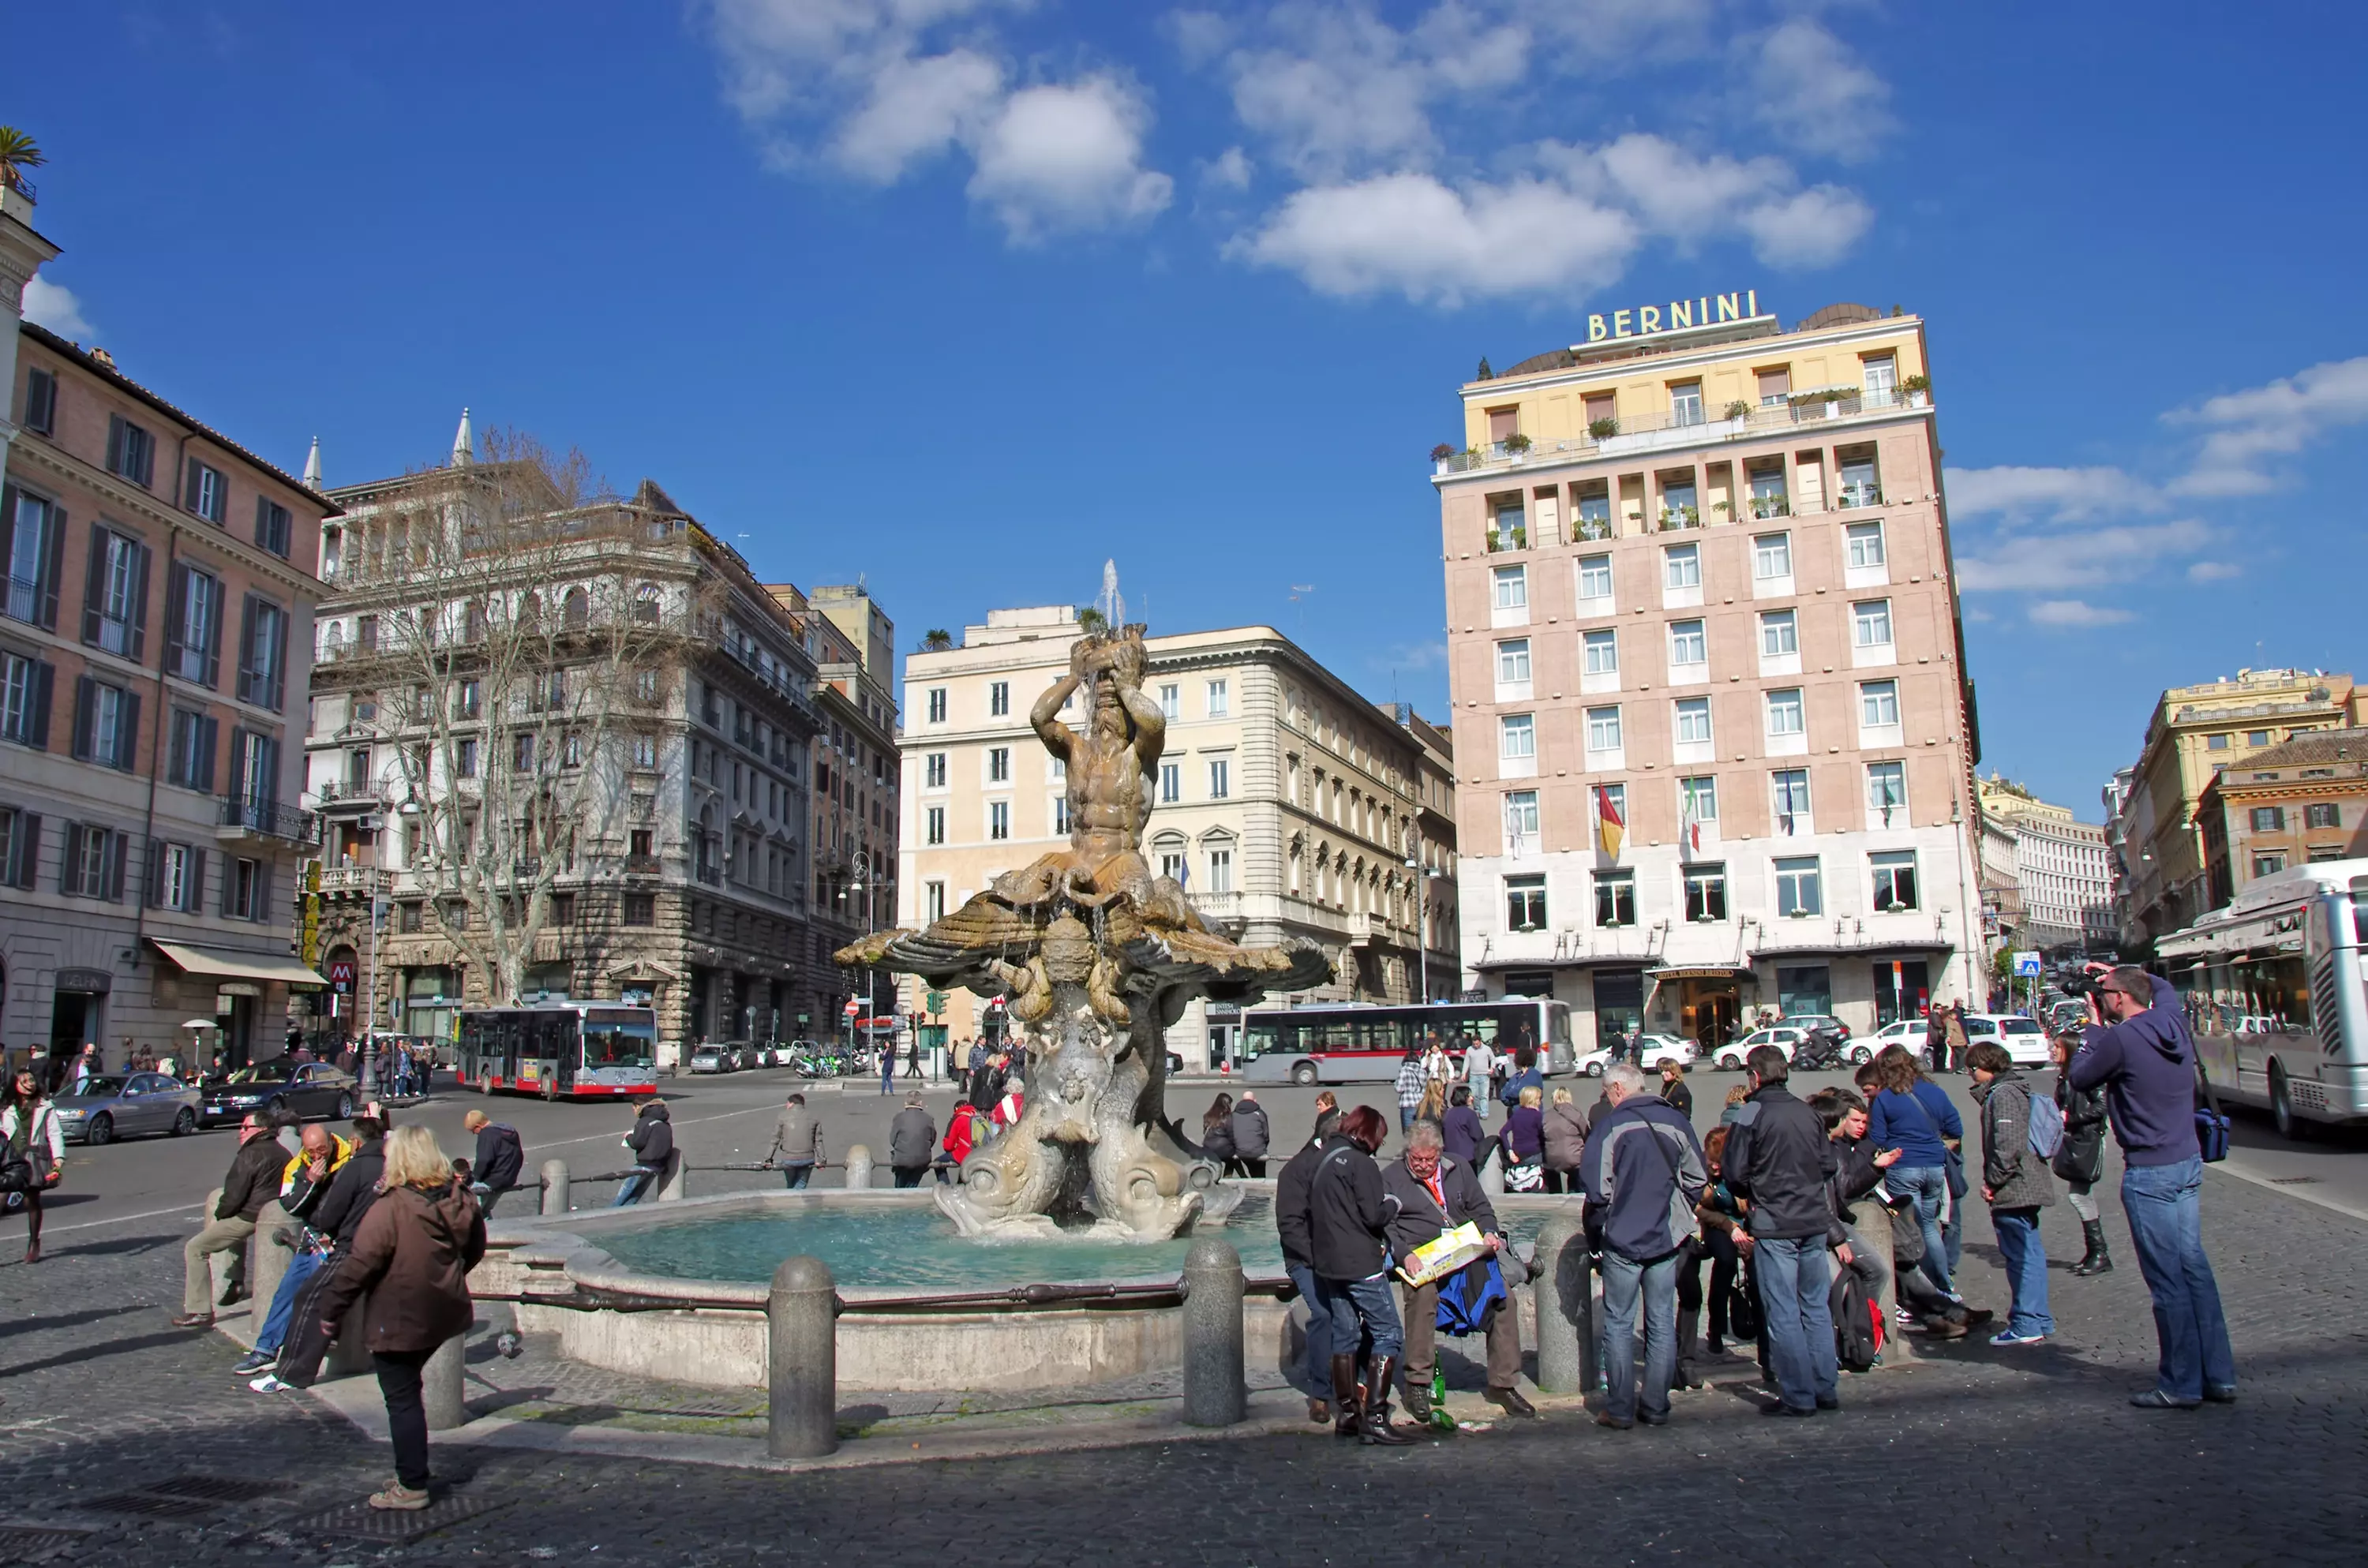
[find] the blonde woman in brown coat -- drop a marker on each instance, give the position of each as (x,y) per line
(412,1256)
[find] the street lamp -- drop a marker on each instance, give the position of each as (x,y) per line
(1421,917)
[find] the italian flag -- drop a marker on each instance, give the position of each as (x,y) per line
(1608,827)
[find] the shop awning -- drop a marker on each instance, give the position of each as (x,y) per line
(225,963)
(1699,972)
(1910,947)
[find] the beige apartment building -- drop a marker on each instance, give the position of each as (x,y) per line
(155,633)
(2062,871)
(1708,675)
(2194,734)
(1287,805)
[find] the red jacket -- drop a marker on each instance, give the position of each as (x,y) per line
(962,1135)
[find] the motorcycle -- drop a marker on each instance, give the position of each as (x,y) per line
(1819,1049)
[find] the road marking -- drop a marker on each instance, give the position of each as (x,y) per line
(122,1219)
(619,1140)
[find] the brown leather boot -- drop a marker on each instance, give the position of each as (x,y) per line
(1346,1416)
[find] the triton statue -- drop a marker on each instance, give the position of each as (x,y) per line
(1096,957)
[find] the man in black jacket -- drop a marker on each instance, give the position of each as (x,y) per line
(1779,1161)
(500,1160)
(337,1216)
(1431,1192)
(1313,1375)
(253,1181)
(652,1141)
(1250,1133)
(1347,1225)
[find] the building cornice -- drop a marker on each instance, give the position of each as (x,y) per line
(1680,360)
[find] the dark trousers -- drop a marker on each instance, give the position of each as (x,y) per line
(308,1341)
(1724,1263)
(406,1413)
(909,1176)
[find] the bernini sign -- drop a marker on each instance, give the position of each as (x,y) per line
(1677,315)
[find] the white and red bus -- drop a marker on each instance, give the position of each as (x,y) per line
(1362,1043)
(561,1049)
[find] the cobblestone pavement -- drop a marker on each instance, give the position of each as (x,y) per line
(1975,1455)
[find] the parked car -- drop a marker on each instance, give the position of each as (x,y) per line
(125,1105)
(2027,1041)
(1656,1049)
(713,1059)
(1785,1038)
(301,1089)
(1912,1033)
(1826,1022)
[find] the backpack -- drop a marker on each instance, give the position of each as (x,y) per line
(2047,1126)
(1858,1324)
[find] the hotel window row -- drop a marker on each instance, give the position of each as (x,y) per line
(1796,882)
(1886,803)
(1668,500)
(1217,700)
(1863,551)
(1784,723)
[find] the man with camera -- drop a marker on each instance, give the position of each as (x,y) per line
(2140,1052)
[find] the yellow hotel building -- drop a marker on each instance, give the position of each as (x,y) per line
(1714,728)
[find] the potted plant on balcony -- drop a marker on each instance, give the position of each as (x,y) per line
(1517,446)
(1679,517)
(1919,390)
(1602,429)
(1440,456)
(1738,411)
(1722,508)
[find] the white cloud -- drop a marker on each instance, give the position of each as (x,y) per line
(2246,429)
(2213,571)
(2040,560)
(2069,494)
(1814,227)
(1409,233)
(1068,158)
(1811,90)
(53,305)
(2078,614)
(879,86)
(1229,170)
(915,109)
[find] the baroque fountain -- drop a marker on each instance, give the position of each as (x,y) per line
(1096,958)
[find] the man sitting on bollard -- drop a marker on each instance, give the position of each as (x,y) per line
(912,1141)
(303,1184)
(652,1141)
(797,1144)
(1430,1192)
(501,1160)
(253,1181)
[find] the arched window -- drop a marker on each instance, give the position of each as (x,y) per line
(576,609)
(646,605)
(530,610)
(333,640)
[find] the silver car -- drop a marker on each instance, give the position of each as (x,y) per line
(125,1104)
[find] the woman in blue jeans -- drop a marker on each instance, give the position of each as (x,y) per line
(1912,1114)
(1347,1224)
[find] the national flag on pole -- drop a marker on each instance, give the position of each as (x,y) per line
(1609,827)
(1692,827)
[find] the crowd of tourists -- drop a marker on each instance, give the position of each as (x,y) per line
(1779,1201)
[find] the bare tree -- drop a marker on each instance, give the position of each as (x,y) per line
(532,627)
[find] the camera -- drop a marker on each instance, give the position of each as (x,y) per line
(2077,983)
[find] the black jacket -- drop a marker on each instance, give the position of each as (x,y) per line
(1290,1199)
(351,1195)
(1416,1217)
(1348,1214)
(500,1157)
(1778,1158)
(651,1139)
(2082,1156)
(1250,1133)
(1855,1176)
(253,1180)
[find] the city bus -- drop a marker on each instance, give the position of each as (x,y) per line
(2273,990)
(561,1049)
(1362,1043)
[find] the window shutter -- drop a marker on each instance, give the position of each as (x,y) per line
(37,733)
(116,843)
(94,588)
(190,494)
(214,619)
(247,650)
(236,783)
(265,749)
(176,612)
(202,774)
(138,644)
(229,881)
(9,520)
(153,894)
(115,443)
(196,901)
(53,565)
(263,891)
(85,698)
(28,848)
(127,740)
(278,693)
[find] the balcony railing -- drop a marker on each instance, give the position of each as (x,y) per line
(267,819)
(349,879)
(1653,432)
(350,792)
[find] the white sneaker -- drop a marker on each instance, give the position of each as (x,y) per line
(270,1384)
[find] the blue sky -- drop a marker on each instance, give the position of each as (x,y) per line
(964,295)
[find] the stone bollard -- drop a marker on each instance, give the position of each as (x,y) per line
(858,1166)
(677,1186)
(1492,1177)
(801,1365)
(443,1384)
(555,1186)
(348,1357)
(1215,1394)
(1898,1346)
(267,1263)
(1563,1291)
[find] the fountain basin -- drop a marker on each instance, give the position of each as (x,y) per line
(677,1290)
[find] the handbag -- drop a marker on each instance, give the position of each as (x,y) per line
(1958,1184)
(1743,1306)
(2211,1121)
